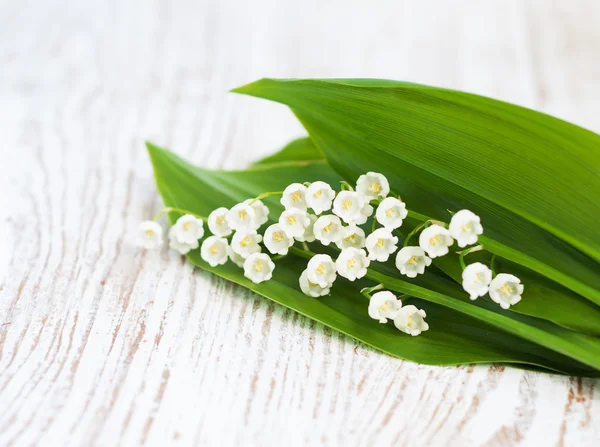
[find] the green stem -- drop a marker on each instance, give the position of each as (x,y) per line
(464,253)
(493,266)
(346,186)
(307,254)
(461,259)
(366,292)
(415,231)
(178,210)
(278,257)
(266,194)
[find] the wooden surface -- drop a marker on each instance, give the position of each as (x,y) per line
(102,344)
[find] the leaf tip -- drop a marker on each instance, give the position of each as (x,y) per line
(154,151)
(252,88)
(150,146)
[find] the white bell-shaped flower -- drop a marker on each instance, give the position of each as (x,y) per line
(373,185)
(411,320)
(214,250)
(182,247)
(435,240)
(188,229)
(351,207)
(311,288)
(321,270)
(365,213)
(384,305)
(476,279)
(380,244)
(242,217)
(294,196)
(309,234)
(217,222)
(149,235)
(261,212)
(391,212)
(411,261)
(506,290)
(328,229)
(246,243)
(352,263)
(319,196)
(276,240)
(258,267)
(465,227)
(294,222)
(235,258)
(352,236)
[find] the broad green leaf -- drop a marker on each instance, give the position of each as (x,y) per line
(533,179)
(457,338)
(544,298)
(299,150)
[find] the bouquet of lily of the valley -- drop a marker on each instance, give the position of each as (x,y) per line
(434,225)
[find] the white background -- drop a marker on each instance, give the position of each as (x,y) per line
(101,343)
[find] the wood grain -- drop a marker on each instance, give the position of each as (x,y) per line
(103,344)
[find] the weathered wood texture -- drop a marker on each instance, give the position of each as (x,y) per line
(102,344)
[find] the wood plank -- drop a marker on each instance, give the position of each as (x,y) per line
(101,343)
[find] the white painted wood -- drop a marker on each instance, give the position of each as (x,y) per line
(101,344)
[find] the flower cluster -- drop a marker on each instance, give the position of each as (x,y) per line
(315,212)
(408,319)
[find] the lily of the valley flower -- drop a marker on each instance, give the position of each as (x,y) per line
(294,196)
(294,222)
(506,290)
(321,270)
(435,240)
(366,212)
(352,207)
(411,261)
(465,227)
(319,196)
(309,234)
(352,263)
(384,305)
(411,320)
(276,240)
(187,230)
(391,212)
(311,288)
(150,235)
(258,267)
(242,217)
(246,243)
(217,222)
(235,258)
(476,279)
(352,236)
(261,212)
(328,229)
(373,185)
(214,250)
(380,244)
(181,247)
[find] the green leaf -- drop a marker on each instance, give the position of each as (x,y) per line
(544,298)
(533,179)
(457,337)
(299,150)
